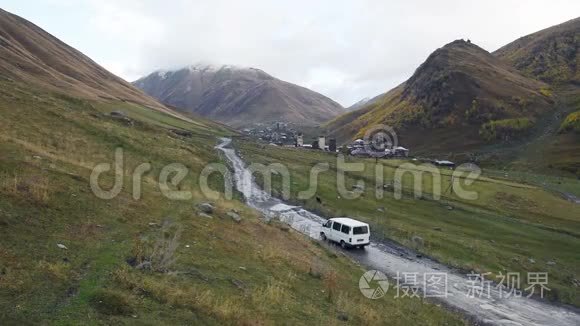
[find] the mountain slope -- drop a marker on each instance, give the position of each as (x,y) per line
(31,55)
(238,96)
(551,55)
(460,98)
(358,104)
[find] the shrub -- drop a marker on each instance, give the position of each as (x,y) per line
(546,92)
(505,129)
(274,294)
(158,255)
(331,282)
(472,112)
(571,123)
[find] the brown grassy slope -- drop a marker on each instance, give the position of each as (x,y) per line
(449,97)
(550,55)
(31,55)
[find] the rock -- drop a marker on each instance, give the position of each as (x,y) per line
(418,241)
(342,316)
(532,260)
(284,227)
(449,207)
(182,133)
(381,209)
(437,228)
(243,268)
(419,256)
(234,216)
(36,157)
(204,215)
(239,284)
(121,116)
(153,224)
(206,208)
(61,246)
(357,186)
(146,265)
(551,263)
(267,217)
(118,114)
(576,282)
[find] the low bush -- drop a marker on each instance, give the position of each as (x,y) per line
(571,123)
(505,129)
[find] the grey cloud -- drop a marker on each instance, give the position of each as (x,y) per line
(346,50)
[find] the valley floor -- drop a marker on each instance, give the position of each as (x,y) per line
(68,257)
(512,226)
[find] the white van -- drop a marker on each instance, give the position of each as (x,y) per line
(346,231)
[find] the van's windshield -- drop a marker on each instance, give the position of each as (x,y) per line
(360,230)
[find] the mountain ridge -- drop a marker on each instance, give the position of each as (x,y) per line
(459,86)
(238,96)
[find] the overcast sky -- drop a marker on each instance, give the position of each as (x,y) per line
(346,50)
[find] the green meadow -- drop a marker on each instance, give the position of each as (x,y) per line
(514,224)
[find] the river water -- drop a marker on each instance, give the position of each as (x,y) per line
(485,304)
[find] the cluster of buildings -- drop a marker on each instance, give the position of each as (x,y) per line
(279,133)
(284,134)
(321,143)
(363,149)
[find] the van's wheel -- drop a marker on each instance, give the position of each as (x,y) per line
(343,244)
(322,236)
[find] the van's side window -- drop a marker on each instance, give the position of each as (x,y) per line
(360,230)
(336,226)
(345,229)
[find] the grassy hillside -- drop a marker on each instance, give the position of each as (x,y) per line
(519,223)
(31,55)
(224,272)
(451,101)
(550,55)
